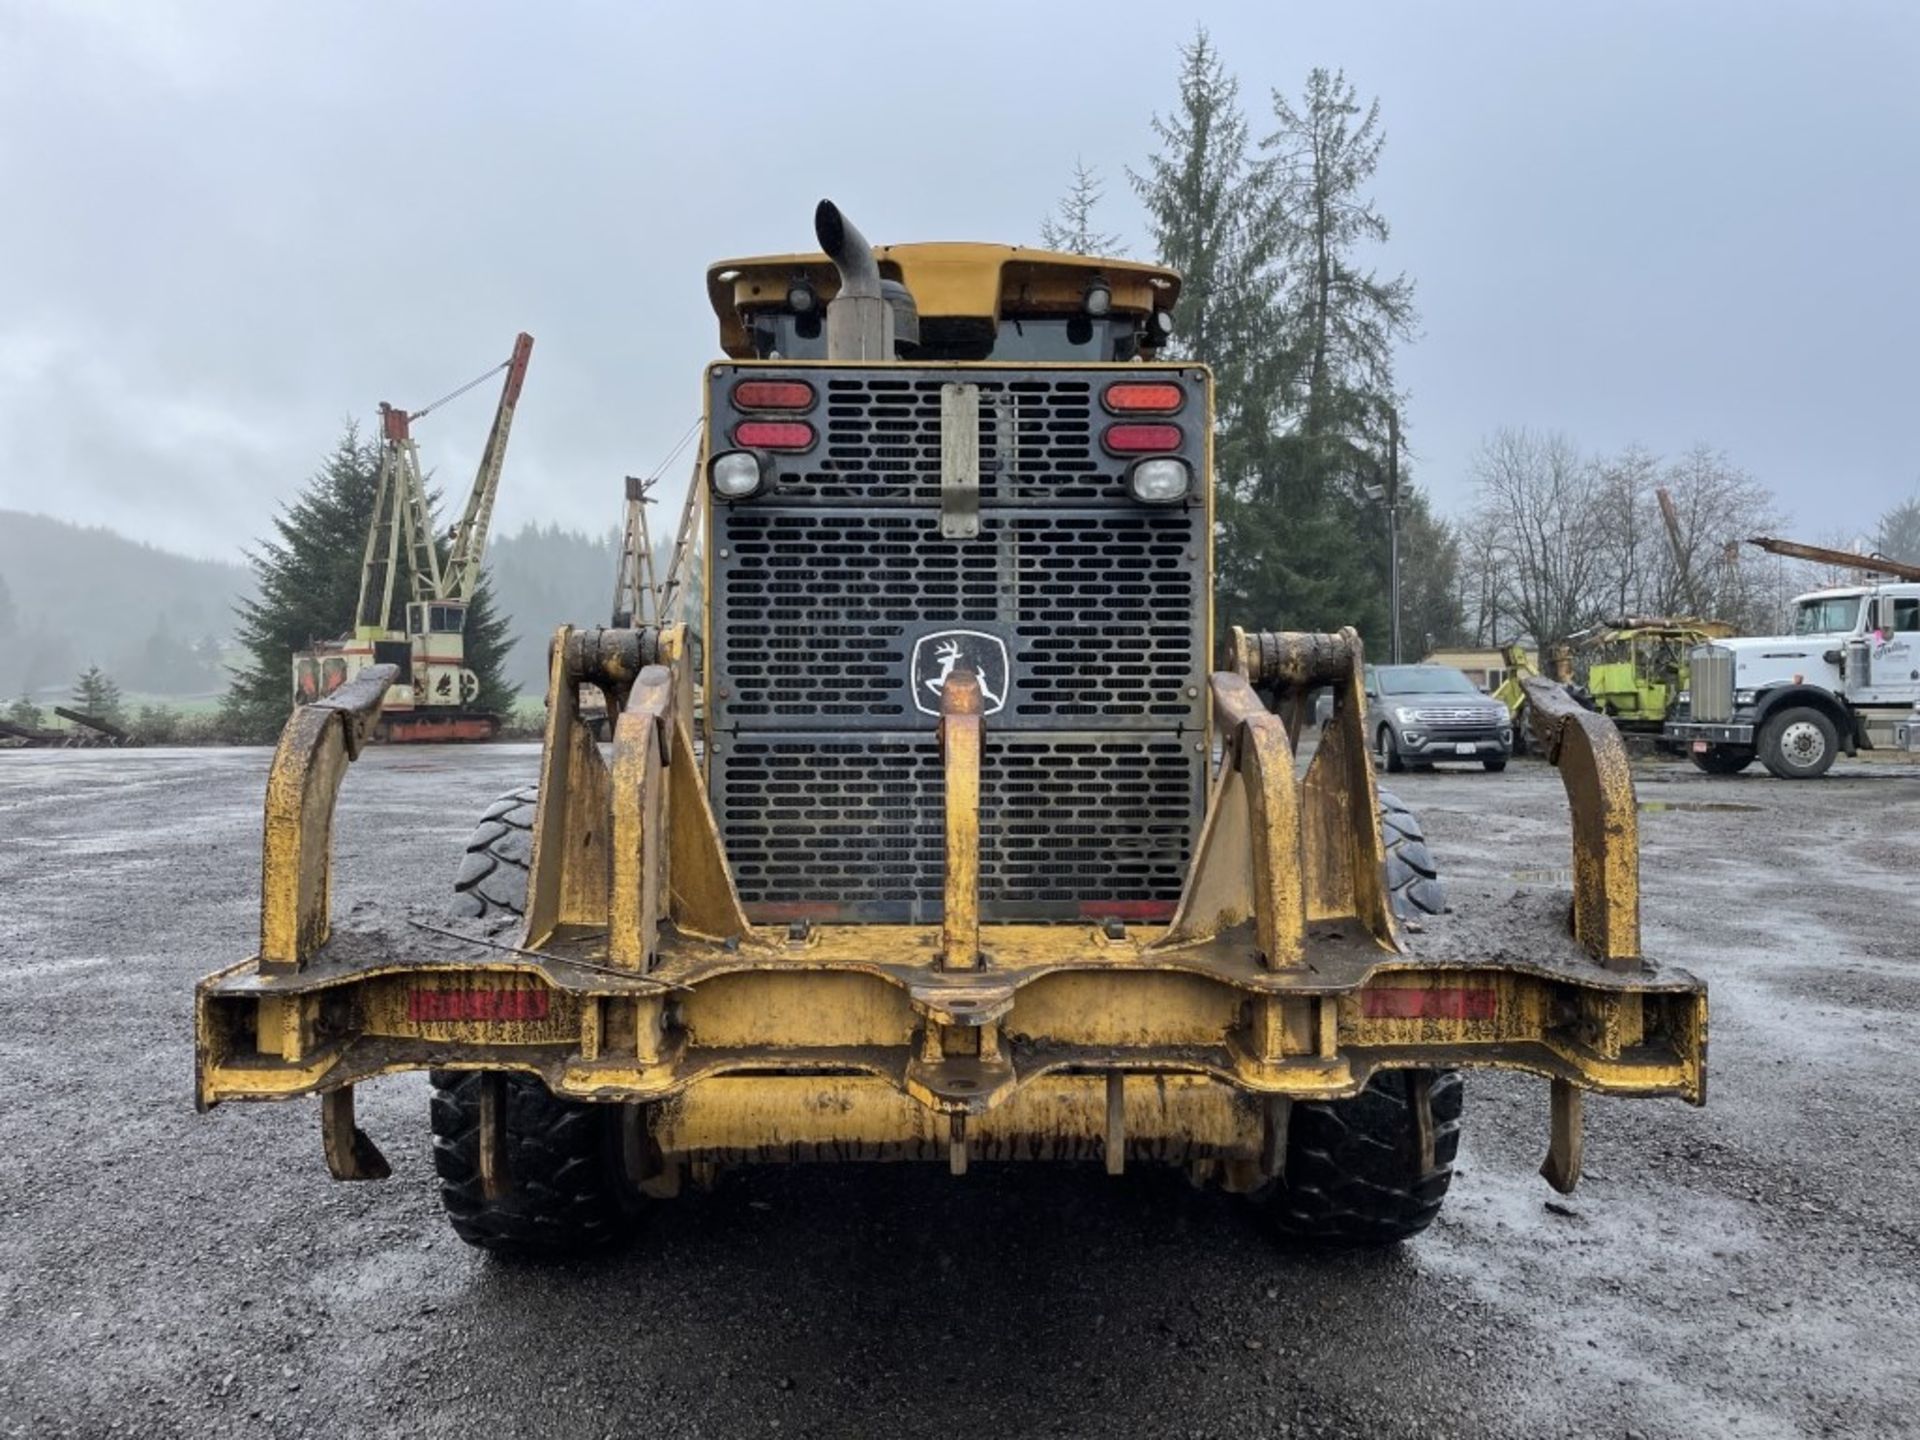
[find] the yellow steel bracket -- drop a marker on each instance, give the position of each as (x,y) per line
(961,722)
(1279,853)
(317,744)
(568,880)
(1592,760)
(626,847)
(1247,864)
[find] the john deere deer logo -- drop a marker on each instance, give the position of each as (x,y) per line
(937,656)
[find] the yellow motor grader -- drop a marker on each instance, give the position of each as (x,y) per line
(974,848)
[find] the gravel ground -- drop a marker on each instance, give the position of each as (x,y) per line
(1751,1268)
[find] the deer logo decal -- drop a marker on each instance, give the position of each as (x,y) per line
(937,656)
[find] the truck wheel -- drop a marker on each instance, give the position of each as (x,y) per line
(1353,1174)
(569,1189)
(1387,752)
(1722,759)
(1799,743)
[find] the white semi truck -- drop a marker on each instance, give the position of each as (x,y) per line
(1846,679)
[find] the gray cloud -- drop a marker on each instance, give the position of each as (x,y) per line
(229,225)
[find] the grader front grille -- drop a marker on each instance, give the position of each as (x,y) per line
(1071,825)
(835,593)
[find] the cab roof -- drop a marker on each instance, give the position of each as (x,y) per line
(949,280)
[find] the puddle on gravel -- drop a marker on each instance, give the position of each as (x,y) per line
(1708,805)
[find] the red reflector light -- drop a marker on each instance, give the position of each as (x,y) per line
(1158,399)
(1452,1003)
(1127,909)
(773,435)
(1141,439)
(773,395)
(476,1004)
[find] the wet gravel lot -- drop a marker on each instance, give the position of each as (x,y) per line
(1751,1268)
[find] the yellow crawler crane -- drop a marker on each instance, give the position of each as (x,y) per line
(973,852)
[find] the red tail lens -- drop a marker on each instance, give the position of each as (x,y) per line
(1455,1002)
(1141,439)
(773,395)
(773,435)
(1133,398)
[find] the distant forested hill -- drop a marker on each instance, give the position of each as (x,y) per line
(73,596)
(158,623)
(545,577)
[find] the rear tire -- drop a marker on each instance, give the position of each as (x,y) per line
(1722,759)
(493,875)
(569,1191)
(1799,743)
(1352,1174)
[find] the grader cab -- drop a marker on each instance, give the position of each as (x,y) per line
(940,834)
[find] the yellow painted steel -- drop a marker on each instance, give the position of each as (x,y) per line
(1592,761)
(948,281)
(1061,1117)
(296,870)
(961,718)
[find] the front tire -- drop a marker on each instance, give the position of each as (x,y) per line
(569,1190)
(1722,759)
(1799,743)
(1353,1173)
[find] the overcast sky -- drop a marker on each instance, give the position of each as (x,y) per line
(225,227)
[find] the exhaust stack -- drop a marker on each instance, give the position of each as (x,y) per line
(859,319)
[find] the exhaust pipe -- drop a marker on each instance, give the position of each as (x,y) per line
(859,319)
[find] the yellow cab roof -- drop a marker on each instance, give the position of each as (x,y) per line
(948,280)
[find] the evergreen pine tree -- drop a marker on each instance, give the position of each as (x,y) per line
(1305,543)
(1071,226)
(1206,195)
(24,712)
(308,576)
(96,694)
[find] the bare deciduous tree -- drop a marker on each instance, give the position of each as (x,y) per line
(1545,531)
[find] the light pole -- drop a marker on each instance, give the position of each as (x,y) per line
(1388,493)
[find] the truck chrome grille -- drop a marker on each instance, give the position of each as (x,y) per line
(1710,678)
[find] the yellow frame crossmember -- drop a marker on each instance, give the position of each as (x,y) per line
(638,978)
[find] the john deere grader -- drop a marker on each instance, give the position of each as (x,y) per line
(936,832)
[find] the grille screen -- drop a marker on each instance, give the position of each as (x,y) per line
(1036,439)
(819,613)
(1071,824)
(838,608)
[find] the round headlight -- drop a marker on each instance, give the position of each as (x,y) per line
(1163,481)
(1099,298)
(800,298)
(735,475)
